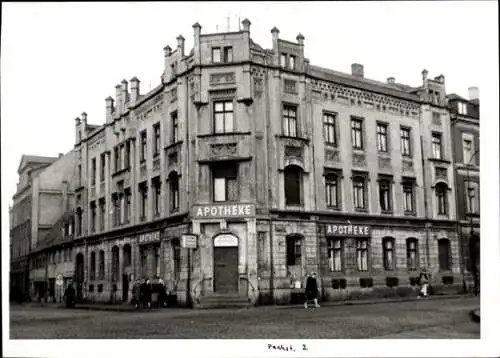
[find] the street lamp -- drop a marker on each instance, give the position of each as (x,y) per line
(470,195)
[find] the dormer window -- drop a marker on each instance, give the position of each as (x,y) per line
(283,60)
(291,62)
(462,108)
(216,58)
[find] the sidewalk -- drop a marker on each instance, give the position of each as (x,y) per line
(127,307)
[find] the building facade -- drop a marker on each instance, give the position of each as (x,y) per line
(277,167)
(465,126)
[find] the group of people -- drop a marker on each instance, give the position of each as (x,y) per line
(311,291)
(149,294)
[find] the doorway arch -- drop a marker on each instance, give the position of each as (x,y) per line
(226,259)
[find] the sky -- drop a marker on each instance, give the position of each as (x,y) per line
(61,59)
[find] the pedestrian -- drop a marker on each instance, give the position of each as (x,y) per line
(136,294)
(155,293)
(146,289)
(69,296)
(423,281)
(311,290)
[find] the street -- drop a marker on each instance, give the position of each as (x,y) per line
(439,318)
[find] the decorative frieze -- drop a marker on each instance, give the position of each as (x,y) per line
(441,173)
(384,162)
(223,149)
(359,159)
(436,118)
(156,163)
(258,86)
(222,78)
(96,141)
(143,170)
(290,86)
(407,165)
(332,155)
(172,159)
(293,152)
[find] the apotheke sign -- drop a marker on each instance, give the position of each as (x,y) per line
(150,237)
(223,211)
(348,230)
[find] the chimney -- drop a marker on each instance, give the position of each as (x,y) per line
(124,93)
(391,80)
(84,119)
(473,93)
(180,45)
(300,39)
(275,33)
(109,110)
(246,25)
(440,79)
(357,70)
(196,44)
(167,50)
(276,53)
(77,121)
(118,91)
(134,89)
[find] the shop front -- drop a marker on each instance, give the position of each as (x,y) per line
(150,253)
(225,262)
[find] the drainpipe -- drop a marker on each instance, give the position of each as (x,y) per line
(188,201)
(269,203)
(427,233)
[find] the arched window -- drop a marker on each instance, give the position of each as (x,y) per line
(388,251)
(115,263)
(101,265)
(127,255)
(92,266)
(173,183)
(444,254)
(293,179)
(442,198)
(412,254)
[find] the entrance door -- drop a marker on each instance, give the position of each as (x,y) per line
(124,287)
(79,273)
(226,264)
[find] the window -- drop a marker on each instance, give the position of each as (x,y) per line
(329,128)
(225,182)
(175,128)
(442,198)
(293,179)
(156,265)
(102,213)
(411,254)
(101,265)
(93,171)
(405,142)
(472,198)
(223,116)
(103,167)
(467,144)
(359,188)
(388,251)
(362,254)
(444,253)
(79,215)
(79,174)
(357,133)
(291,62)
(228,54)
(385,195)
(127,255)
(216,55)
(437,146)
(144,145)
(92,266)
(173,182)
(408,196)
(332,190)
(283,60)
(127,205)
(335,255)
(115,262)
(93,216)
(293,251)
(143,204)
(123,156)
(115,200)
(382,137)
(176,252)
(462,108)
(116,152)
(290,121)
(156,184)
(144,257)
(157,140)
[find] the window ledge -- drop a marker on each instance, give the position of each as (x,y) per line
(444,161)
(302,139)
(121,171)
(361,210)
(172,145)
(222,134)
(387,212)
(410,213)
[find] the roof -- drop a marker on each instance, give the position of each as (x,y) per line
(255,46)
(27,159)
(454,96)
(396,90)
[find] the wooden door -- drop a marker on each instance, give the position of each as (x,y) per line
(226,269)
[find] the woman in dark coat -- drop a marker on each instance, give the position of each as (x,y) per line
(311,290)
(136,294)
(69,296)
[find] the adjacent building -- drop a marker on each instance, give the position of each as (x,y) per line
(465,126)
(274,167)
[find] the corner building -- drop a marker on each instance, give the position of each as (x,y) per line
(277,166)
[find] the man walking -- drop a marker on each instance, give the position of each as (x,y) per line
(423,281)
(311,290)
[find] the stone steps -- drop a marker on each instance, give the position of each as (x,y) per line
(223,301)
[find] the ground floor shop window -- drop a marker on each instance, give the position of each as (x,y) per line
(411,253)
(294,251)
(335,255)
(362,254)
(444,252)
